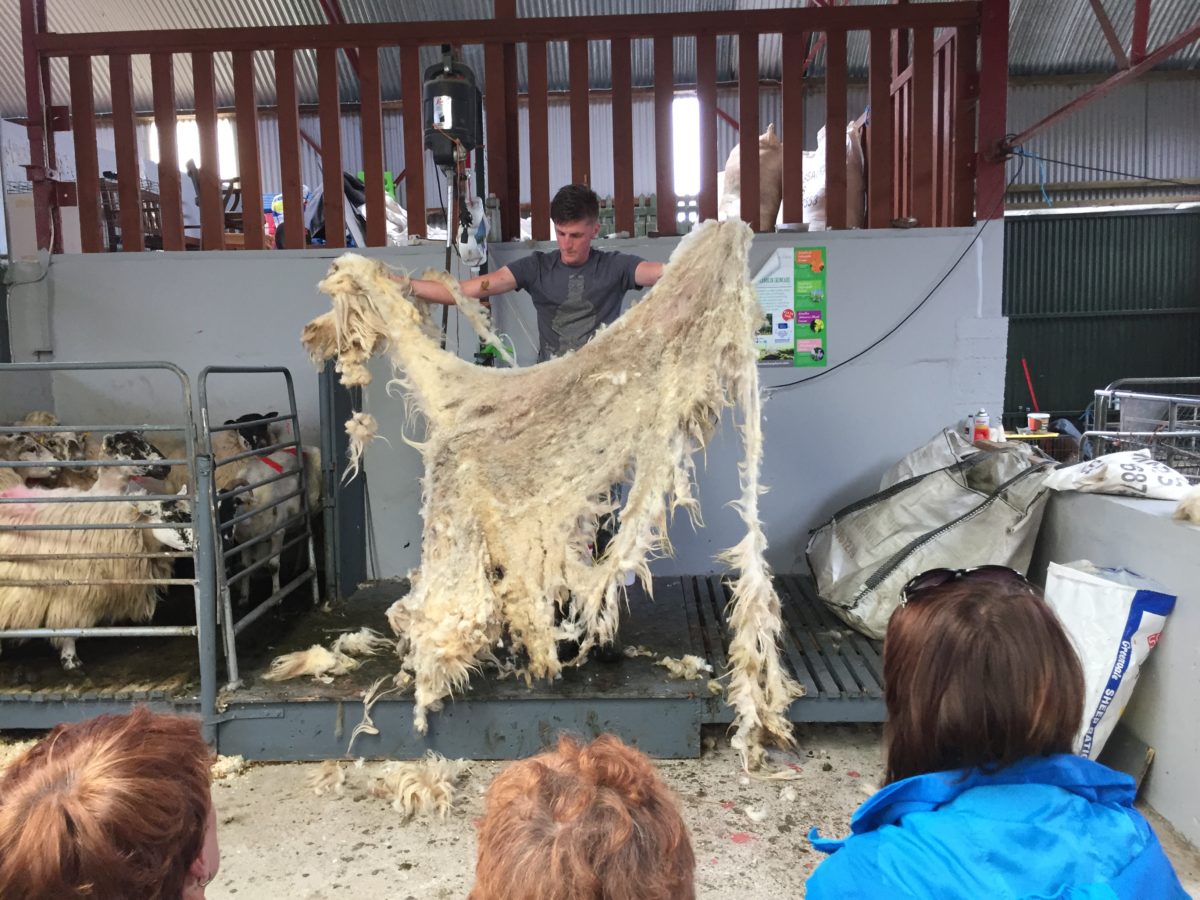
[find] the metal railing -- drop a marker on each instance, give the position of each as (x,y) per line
(199,469)
(1165,422)
(299,524)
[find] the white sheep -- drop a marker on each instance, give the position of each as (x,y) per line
(68,602)
(273,510)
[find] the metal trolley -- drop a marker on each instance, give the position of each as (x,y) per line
(1129,416)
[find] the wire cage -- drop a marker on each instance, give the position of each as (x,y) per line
(1132,415)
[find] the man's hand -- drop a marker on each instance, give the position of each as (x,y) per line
(647,273)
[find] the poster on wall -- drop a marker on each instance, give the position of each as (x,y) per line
(774,283)
(791,297)
(809,306)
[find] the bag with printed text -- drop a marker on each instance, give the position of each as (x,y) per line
(1114,617)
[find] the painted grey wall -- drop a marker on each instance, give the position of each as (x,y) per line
(1141,535)
(192,309)
(826,441)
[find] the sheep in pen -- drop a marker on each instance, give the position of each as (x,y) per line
(518,465)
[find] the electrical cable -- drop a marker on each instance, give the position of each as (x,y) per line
(916,309)
(1062,162)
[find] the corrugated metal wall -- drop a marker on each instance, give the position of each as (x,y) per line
(1149,128)
(1094,298)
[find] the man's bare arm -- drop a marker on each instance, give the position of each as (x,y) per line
(499,282)
(647,273)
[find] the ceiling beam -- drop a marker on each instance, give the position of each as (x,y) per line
(1109,84)
(1141,24)
(1110,34)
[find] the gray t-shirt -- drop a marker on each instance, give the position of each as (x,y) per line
(573,301)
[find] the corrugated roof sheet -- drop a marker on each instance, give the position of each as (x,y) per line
(1046,37)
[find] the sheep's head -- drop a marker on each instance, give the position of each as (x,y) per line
(40,447)
(255,432)
(176,530)
(132,445)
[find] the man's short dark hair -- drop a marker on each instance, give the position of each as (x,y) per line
(575,203)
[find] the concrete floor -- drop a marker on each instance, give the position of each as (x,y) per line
(280,840)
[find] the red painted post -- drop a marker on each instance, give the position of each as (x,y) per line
(170,194)
(496,141)
(664,156)
(581,148)
(125,139)
(39,162)
(539,142)
(329,113)
(706,93)
(993,109)
(922,135)
(87,168)
(212,212)
(835,130)
(748,132)
(414,139)
(1141,24)
(793,126)
(622,113)
(879,134)
(246,114)
(372,150)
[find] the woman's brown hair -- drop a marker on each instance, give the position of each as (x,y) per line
(109,809)
(583,822)
(978,675)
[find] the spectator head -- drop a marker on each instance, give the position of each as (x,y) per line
(583,822)
(979,674)
(111,808)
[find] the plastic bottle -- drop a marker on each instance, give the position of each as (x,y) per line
(980,425)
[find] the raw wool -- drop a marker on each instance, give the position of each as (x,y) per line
(364,642)
(323,664)
(317,661)
(1188,509)
(227,767)
(687,667)
(330,779)
(715,688)
(362,429)
(507,521)
(639,650)
(423,787)
(770,181)
(371,696)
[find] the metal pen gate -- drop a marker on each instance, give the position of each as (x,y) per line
(199,475)
(228,546)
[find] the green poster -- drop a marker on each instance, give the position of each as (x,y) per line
(809,306)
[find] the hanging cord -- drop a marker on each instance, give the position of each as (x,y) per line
(768,391)
(1027,154)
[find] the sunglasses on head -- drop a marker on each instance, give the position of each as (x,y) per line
(936,578)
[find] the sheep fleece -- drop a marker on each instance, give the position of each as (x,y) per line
(518,463)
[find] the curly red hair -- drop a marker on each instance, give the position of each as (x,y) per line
(583,822)
(108,809)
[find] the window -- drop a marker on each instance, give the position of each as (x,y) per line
(187,138)
(685,138)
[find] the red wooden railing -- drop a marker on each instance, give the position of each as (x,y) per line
(922,154)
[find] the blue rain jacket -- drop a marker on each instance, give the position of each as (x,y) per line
(1049,828)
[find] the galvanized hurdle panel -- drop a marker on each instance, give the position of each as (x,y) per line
(232,626)
(67,699)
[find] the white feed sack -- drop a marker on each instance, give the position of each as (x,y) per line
(1132,473)
(518,463)
(770,181)
(1114,617)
